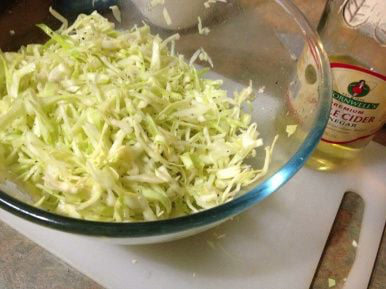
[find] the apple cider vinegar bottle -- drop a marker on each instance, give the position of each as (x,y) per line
(354,35)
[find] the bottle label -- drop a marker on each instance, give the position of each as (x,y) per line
(369,16)
(359,104)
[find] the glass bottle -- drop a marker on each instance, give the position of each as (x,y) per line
(354,35)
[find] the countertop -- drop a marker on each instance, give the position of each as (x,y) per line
(23,264)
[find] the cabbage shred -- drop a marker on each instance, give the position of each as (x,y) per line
(106,125)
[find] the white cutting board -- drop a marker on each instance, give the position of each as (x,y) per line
(275,245)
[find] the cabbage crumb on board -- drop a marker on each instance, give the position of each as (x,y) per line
(109,125)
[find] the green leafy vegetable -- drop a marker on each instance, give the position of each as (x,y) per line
(113,126)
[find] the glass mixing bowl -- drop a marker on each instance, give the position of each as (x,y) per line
(268,42)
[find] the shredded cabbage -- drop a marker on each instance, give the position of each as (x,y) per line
(106,125)
(166,15)
(116,13)
(209,2)
(291,129)
(202,30)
